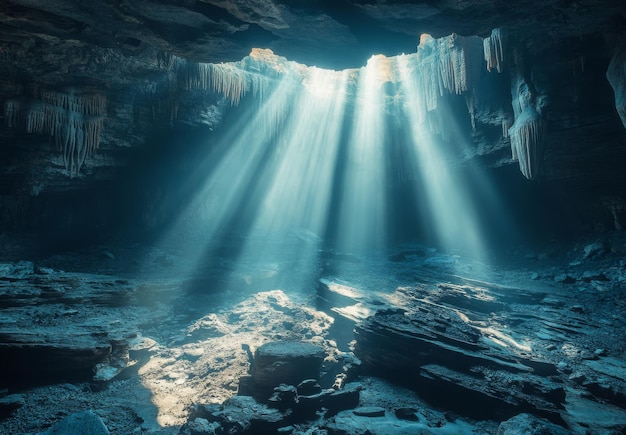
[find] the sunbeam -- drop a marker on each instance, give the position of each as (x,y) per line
(362,214)
(453,216)
(293,209)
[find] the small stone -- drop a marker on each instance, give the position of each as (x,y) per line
(409,414)
(551,347)
(593,250)
(597,286)
(309,387)
(87,422)
(285,396)
(600,352)
(585,354)
(589,276)
(561,365)
(577,377)
(565,279)
(369,411)
(535,276)
(577,309)
(529,424)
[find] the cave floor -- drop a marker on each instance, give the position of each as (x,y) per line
(178,338)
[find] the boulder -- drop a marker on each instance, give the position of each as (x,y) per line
(526,424)
(286,363)
(80,423)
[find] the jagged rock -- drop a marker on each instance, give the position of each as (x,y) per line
(309,387)
(610,382)
(589,276)
(526,424)
(284,397)
(81,423)
(308,406)
(348,398)
(445,359)
(409,414)
(286,363)
(348,423)
(200,426)
(243,414)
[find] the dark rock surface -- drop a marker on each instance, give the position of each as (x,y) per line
(286,363)
(501,345)
(123,52)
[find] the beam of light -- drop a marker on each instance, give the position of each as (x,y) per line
(454,218)
(292,214)
(226,181)
(299,195)
(362,222)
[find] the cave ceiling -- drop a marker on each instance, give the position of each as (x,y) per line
(116,41)
(121,49)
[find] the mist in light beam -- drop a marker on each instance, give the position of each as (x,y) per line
(453,215)
(311,165)
(362,214)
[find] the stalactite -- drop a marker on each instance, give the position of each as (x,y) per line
(12,112)
(616,75)
(506,125)
(449,65)
(224,78)
(494,47)
(527,134)
(527,141)
(90,104)
(471,109)
(74,119)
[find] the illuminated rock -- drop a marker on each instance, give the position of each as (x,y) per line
(286,363)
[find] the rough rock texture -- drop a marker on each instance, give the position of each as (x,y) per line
(286,363)
(86,422)
(528,424)
(124,51)
(457,347)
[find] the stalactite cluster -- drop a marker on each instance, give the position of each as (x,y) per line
(74,119)
(229,79)
(449,65)
(494,49)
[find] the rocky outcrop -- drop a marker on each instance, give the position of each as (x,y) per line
(443,357)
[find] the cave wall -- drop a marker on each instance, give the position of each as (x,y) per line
(154,131)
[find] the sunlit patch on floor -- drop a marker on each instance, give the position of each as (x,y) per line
(203,362)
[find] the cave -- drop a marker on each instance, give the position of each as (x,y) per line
(330,217)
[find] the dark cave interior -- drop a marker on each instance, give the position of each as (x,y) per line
(333,217)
